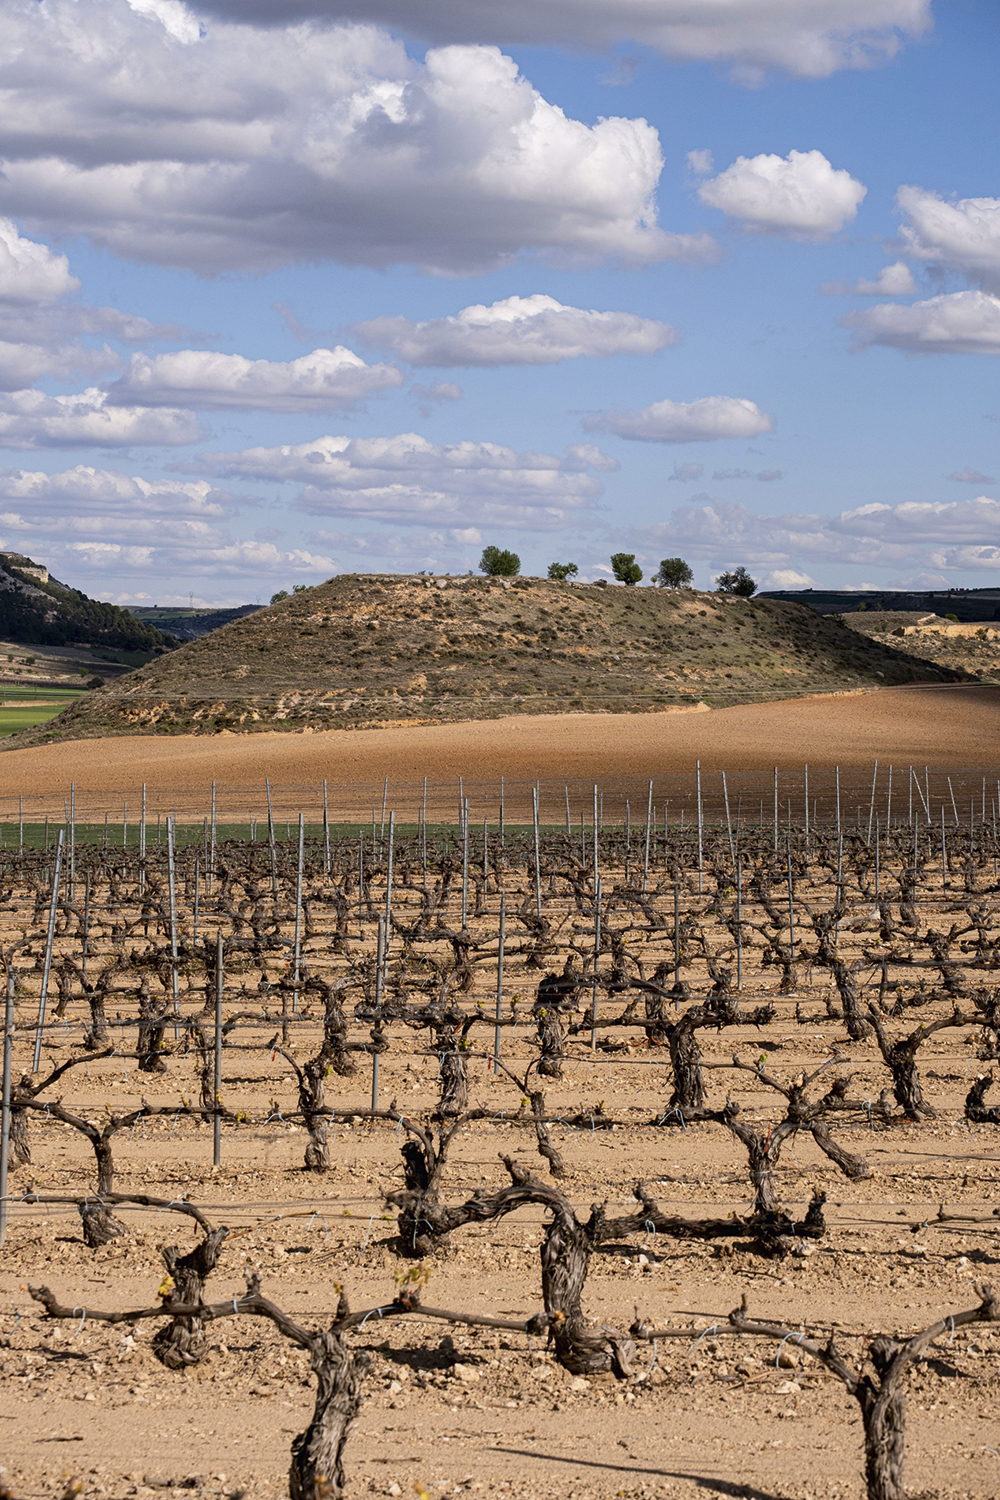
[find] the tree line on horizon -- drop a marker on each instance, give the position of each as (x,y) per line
(673,572)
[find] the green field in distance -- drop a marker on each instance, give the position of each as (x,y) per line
(26,715)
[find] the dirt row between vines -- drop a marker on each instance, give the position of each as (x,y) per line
(451,1411)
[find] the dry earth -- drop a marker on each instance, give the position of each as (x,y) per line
(949,728)
(452,1411)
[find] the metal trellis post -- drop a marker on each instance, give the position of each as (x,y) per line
(47,964)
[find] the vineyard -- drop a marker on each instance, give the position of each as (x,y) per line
(566,1158)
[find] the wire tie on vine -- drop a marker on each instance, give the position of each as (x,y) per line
(367,1315)
(83,1320)
(777,1358)
(714,1329)
(368,1231)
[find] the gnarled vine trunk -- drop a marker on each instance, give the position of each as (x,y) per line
(317,1471)
(181,1342)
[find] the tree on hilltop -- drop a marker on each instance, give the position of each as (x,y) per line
(625,568)
(497,562)
(738,581)
(674,573)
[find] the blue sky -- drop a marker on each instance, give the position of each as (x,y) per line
(736,266)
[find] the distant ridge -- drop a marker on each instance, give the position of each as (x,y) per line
(189,624)
(967,604)
(37,610)
(366,650)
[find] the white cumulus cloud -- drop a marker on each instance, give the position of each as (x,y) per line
(953,323)
(807,38)
(788,578)
(244,149)
(103,523)
(892,281)
(957,534)
(31,419)
(21,364)
(30,272)
(408,480)
(194,552)
(686,421)
(326,379)
(535,330)
(800,195)
(90,502)
(962,236)
(175,17)
(42,330)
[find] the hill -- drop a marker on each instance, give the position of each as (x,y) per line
(366,650)
(37,610)
(965,646)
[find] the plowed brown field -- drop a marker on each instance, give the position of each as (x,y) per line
(950,729)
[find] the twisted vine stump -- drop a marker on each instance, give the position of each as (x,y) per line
(880,1393)
(424,1221)
(976,1109)
(20,1145)
(98,1035)
(311,1075)
(23,1095)
(565,1255)
(317,1467)
(317,1470)
(763,1147)
(900,1057)
(556,995)
(449,1027)
(99,1225)
(196,1038)
(152,1024)
(845,975)
(181,1342)
(687,1100)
